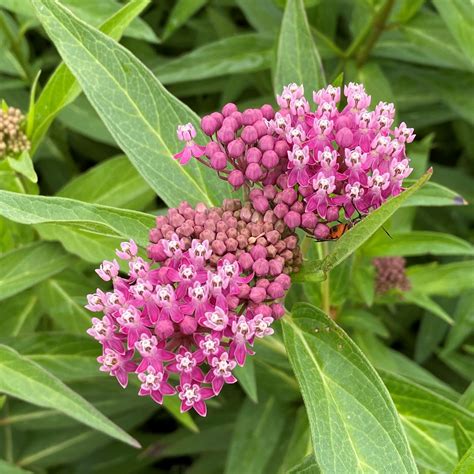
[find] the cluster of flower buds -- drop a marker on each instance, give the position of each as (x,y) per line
(313,168)
(390,275)
(195,308)
(12,137)
(259,242)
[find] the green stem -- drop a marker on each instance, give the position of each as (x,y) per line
(7,430)
(325,284)
(15,48)
(363,44)
(377,28)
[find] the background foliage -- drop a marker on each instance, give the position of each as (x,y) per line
(387,387)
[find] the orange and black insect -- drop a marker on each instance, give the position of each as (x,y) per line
(336,231)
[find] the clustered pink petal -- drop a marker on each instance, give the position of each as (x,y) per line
(213,283)
(341,162)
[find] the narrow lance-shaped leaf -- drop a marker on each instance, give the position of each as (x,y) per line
(361,232)
(354,423)
(138,111)
(62,87)
(27,266)
(27,209)
(297,56)
(21,378)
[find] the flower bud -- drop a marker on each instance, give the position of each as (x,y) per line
(261,204)
(219,160)
(225,135)
(270,159)
(282,181)
(258,294)
(260,266)
(248,117)
(209,125)
(321,231)
(281,148)
(211,148)
(280,210)
(249,134)
(284,281)
(236,148)
(156,252)
(275,290)
(289,196)
(275,267)
(188,325)
(261,128)
(259,251)
(164,328)
(218,247)
(278,310)
(253,172)
(246,261)
(236,178)
(218,118)
(266,143)
(332,213)
(253,155)
(228,109)
(344,137)
(267,111)
(292,219)
(263,309)
(231,122)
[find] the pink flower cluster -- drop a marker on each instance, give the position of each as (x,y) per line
(182,318)
(313,168)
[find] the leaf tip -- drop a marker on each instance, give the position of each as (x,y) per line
(460,201)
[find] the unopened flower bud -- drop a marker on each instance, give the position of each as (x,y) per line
(236,148)
(253,172)
(266,143)
(228,109)
(258,294)
(253,155)
(236,178)
(292,219)
(321,231)
(269,159)
(261,267)
(209,125)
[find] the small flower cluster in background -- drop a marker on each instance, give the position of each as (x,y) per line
(12,137)
(390,275)
(213,283)
(312,168)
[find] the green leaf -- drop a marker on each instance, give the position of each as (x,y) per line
(256,434)
(457,14)
(114,182)
(428,418)
(28,265)
(361,232)
(434,194)
(21,378)
(463,439)
(420,299)
(66,356)
(363,321)
(182,11)
(342,393)
(464,322)
(234,55)
(102,219)
(62,298)
(246,377)
(423,40)
(144,115)
(466,464)
(263,15)
(307,466)
(62,88)
(20,314)
(7,468)
(24,166)
(417,243)
(297,56)
(448,279)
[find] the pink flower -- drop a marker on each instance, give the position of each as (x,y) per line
(221,372)
(187,133)
(298,161)
(330,94)
(118,365)
(320,201)
(108,270)
(217,320)
(243,331)
(186,365)
(262,325)
(152,352)
(128,250)
(96,301)
(154,384)
(193,396)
